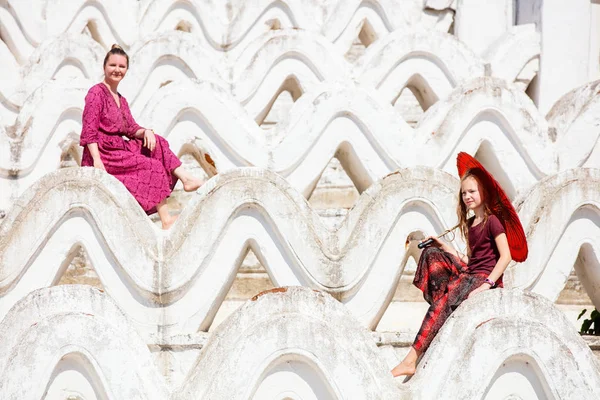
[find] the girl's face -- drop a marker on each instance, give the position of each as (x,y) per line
(471,196)
(115,68)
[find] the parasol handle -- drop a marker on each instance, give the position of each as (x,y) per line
(429,241)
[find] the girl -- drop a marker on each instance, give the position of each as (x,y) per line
(144,163)
(447,277)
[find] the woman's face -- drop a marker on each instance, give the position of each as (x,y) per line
(471,195)
(115,69)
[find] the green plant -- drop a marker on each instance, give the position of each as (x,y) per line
(590,326)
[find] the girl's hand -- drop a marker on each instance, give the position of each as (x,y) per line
(149,139)
(482,288)
(99,164)
(436,241)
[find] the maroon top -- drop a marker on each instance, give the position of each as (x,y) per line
(484,252)
(147,175)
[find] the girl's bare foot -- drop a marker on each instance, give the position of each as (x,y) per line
(408,365)
(404,369)
(168,221)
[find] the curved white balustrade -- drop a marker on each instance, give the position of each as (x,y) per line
(305,339)
(143,269)
(547,356)
(561,217)
(220,26)
(360,263)
(38,335)
(485,117)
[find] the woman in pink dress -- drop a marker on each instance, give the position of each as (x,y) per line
(142,161)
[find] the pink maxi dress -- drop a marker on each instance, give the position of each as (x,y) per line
(147,175)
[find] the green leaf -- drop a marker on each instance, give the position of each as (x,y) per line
(581,313)
(595,315)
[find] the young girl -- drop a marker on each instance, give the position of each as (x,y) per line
(447,277)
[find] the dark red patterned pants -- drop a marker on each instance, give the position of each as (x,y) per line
(445,283)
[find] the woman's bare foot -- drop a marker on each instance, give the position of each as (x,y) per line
(192,184)
(168,221)
(404,369)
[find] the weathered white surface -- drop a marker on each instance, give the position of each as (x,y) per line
(142,267)
(221,25)
(292,342)
(360,263)
(305,337)
(80,330)
(479,23)
(576,113)
(561,220)
(248,82)
(495,118)
(502,332)
(569,36)
(286,86)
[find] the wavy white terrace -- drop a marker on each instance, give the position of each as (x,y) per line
(291,340)
(152,277)
(485,116)
(219,25)
(399,59)
(334,125)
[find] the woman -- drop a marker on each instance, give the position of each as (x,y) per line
(142,161)
(494,237)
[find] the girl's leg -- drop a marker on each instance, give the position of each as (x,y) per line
(163,213)
(435,317)
(457,291)
(408,365)
(437,273)
(190,182)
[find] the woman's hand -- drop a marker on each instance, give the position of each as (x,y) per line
(149,139)
(484,286)
(99,164)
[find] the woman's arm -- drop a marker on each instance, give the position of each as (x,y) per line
(93,148)
(148,136)
(135,130)
(91,124)
(90,119)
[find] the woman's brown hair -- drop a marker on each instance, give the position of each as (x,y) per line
(464,223)
(116,49)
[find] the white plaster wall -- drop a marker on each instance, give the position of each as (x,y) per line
(205,74)
(569,46)
(479,23)
(291,342)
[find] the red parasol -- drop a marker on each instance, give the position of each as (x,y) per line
(499,204)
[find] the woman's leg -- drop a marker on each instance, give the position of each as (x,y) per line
(163,213)
(172,165)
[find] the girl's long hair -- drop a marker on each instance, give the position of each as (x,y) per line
(464,223)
